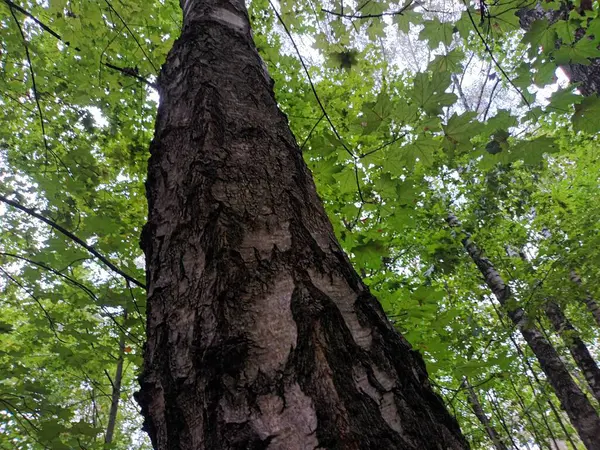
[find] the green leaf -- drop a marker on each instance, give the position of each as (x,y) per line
(346,179)
(459,130)
(5,327)
(376,29)
(503,19)
(540,34)
(587,115)
(404,20)
(532,152)
(429,92)
(544,73)
(85,429)
(50,430)
(579,53)
(503,120)
(370,253)
(424,150)
(374,113)
(563,99)
(406,193)
(450,62)
(437,33)
(373,8)
(386,185)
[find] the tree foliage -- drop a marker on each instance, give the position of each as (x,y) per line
(406,112)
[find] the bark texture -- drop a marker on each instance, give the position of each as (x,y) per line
(482,417)
(576,346)
(260,334)
(587,75)
(582,414)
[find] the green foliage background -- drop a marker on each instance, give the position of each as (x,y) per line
(406,112)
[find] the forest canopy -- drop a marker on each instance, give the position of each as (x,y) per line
(453,143)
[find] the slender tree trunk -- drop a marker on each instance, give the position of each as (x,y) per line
(116,388)
(525,411)
(589,301)
(260,334)
(592,307)
(540,390)
(576,346)
(498,413)
(482,417)
(582,414)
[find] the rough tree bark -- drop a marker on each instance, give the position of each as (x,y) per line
(588,75)
(576,346)
(260,334)
(482,416)
(582,414)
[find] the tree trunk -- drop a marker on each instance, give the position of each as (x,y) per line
(260,334)
(582,414)
(576,346)
(116,387)
(589,301)
(482,417)
(587,75)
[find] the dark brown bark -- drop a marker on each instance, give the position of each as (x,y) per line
(482,417)
(587,75)
(582,414)
(260,334)
(576,346)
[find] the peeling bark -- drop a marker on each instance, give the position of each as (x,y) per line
(260,334)
(482,417)
(576,346)
(582,414)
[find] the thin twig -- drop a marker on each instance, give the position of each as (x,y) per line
(358,182)
(131,73)
(368,16)
(483,85)
(132,35)
(310,80)
(489,51)
(16,100)
(74,238)
(487,109)
(46,28)
(458,85)
(370,152)
(311,131)
(36,94)
(37,300)
(137,307)
(84,288)
(35,19)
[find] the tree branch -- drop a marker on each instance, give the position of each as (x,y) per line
(74,238)
(489,51)
(368,16)
(131,73)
